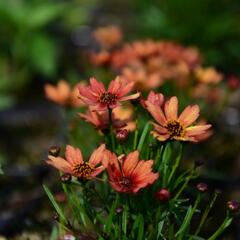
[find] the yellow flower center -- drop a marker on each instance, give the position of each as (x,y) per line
(175,129)
(82,170)
(107,98)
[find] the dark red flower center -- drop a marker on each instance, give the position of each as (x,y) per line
(82,170)
(107,98)
(126,183)
(175,129)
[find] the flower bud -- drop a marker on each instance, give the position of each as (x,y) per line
(56,216)
(202,187)
(233,205)
(119,209)
(54,151)
(66,178)
(163,195)
(122,135)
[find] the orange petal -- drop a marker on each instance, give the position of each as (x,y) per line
(195,130)
(73,155)
(97,155)
(160,137)
(59,163)
(189,115)
(156,112)
(130,163)
(130,97)
(171,108)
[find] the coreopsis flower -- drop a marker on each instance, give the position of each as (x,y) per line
(75,165)
(154,98)
(128,174)
(208,75)
(171,126)
(63,94)
(121,119)
(99,98)
(108,36)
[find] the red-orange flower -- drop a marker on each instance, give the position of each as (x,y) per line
(171,126)
(99,98)
(76,166)
(128,174)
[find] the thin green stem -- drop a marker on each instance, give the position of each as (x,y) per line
(227,221)
(111,129)
(188,178)
(143,136)
(176,164)
(205,214)
(135,139)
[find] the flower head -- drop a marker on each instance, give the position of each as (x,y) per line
(128,174)
(63,94)
(171,126)
(99,98)
(76,166)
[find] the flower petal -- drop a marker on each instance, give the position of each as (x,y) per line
(196,130)
(59,163)
(73,155)
(189,115)
(171,108)
(156,112)
(97,155)
(130,163)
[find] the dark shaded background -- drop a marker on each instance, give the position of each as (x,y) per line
(41,41)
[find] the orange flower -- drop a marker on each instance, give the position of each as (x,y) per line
(129,174)
(170,126)
(121,119)
(208,75)
(76,166)
(63,94)
(108,36)
(99,98)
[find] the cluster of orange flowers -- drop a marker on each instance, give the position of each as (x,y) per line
(127,173)
(149,64)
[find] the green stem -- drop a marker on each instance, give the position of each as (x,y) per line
(205,214)
(227,221)
(176,164)
(188,178)
(135,139)
(143,136)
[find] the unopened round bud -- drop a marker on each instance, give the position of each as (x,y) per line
(233,205)
(119,209)
(66,178)
(163,195)
(54,151)
(122,135)
(202,187)
(56,216)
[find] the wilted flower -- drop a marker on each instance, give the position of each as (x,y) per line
(170,126)
(128,174)
(208,75)
(99,98)
(154,98)
(63,94)
(121,119)
(76,166)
